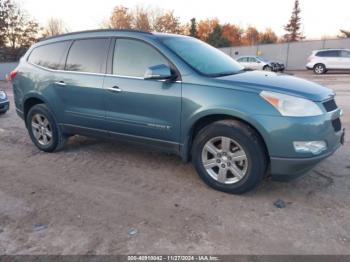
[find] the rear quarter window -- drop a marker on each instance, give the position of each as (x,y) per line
(50,56)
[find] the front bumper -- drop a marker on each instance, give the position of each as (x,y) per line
(284,169)
(279,134)
(4,106)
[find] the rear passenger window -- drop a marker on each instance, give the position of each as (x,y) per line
(252,60)
(132,58)
(88,55)
(330,53)
(50,56)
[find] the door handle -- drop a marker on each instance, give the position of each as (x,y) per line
(60,83)
(115,89)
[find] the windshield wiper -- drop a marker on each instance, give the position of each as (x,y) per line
(223,74)
(230,73)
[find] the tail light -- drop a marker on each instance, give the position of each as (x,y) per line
(12,75)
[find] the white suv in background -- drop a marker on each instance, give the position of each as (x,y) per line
(329,59)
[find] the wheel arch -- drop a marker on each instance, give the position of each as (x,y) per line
(207,119)
(31,100)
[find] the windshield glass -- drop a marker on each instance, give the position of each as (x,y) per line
(262,59)
(204,58)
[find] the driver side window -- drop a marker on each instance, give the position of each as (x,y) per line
(132,58)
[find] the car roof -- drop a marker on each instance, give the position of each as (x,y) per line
(247,56)
(98,32)
(331,49)
(105,33)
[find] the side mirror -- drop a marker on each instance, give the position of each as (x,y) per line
(158,72)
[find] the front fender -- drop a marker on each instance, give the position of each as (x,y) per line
(220,113)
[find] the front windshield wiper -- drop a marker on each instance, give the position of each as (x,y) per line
(223,74)
(229,73)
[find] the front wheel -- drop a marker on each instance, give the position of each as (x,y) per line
(229,156)
(267,68)
(43,129)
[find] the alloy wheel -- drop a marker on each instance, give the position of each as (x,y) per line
(225,160)
(319,69)
(42,130)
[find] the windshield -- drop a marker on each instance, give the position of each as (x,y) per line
(262,59)
(204,58)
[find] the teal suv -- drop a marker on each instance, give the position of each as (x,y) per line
(180,94)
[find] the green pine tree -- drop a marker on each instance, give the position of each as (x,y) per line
(193,29)
(216,39)
(293,28)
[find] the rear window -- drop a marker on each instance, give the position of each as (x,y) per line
(252,60)
(50,56)
(88,55)
(330,53)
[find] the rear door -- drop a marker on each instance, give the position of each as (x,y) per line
(137,107)
(80,86)
(331,59)
(345,57)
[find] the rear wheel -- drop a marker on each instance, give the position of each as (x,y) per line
(229,156)
(43,129)
(320,69)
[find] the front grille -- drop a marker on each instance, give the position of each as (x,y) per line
(336,125)
(330,105)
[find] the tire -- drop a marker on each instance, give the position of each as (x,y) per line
(245,141)
(267,68)
(36,124)
(320,69)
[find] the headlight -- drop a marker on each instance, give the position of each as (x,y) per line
(290,105)
(2,95)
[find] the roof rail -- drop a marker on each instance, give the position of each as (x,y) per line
(95,31)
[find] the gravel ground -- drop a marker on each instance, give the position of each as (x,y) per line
(86,198)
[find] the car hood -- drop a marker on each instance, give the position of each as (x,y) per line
(282,83)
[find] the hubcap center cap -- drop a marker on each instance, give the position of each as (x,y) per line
(224,158)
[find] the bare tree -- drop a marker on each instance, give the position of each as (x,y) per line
(121,18)
(17,28)
(167,23)
(55,26)
(251,36)
(142,18)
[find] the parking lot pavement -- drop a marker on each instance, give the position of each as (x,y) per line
(85,199)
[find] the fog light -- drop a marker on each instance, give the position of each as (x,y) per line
(314,147)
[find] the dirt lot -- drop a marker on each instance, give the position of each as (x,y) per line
(85,199)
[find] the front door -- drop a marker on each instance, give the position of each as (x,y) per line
(345,57)
(136,107)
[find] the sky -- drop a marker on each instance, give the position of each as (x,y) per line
(319,17)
